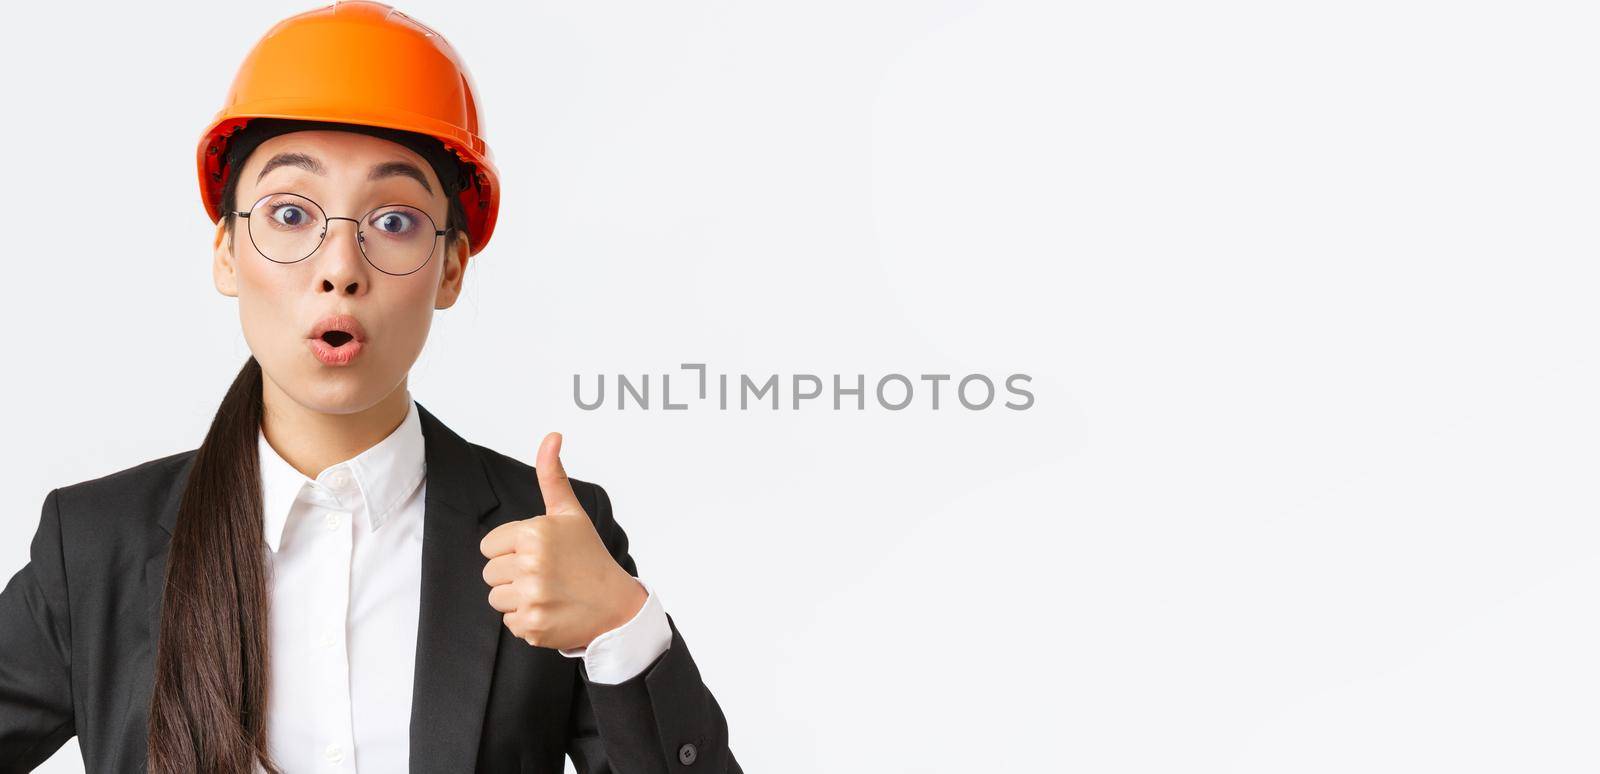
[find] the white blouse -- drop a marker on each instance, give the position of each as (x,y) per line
(345,569)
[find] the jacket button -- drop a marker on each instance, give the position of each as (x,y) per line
(686,754)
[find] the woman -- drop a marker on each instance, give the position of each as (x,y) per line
(334,580)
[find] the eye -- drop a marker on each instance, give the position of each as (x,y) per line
(394,222)
(292,215)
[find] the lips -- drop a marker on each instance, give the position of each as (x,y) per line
(340,323)
(336,339)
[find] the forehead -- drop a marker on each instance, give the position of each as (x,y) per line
(339,153)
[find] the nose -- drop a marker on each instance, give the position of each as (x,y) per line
(342,266)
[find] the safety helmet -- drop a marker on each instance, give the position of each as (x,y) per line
(366,63)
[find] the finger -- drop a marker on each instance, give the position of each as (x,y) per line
(553,481)
(504,568)
(500,540)
(505,598)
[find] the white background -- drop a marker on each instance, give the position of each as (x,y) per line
(1307,292)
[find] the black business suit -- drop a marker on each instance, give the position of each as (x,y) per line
(78,625)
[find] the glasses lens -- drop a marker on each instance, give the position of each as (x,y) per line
(285,227)
(398,238)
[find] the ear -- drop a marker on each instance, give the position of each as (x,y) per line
(457,253)
(224,271)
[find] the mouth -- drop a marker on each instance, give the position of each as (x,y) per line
(336,339)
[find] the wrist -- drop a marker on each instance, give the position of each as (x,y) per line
(630,600)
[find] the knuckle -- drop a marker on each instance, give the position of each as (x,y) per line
(530,593)
(527,563)
(529,536)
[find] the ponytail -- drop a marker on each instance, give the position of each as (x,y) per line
(208,708)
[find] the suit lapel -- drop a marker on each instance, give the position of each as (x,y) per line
(154,582)
(458,631)
(155,568)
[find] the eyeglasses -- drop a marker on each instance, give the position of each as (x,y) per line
(288,228)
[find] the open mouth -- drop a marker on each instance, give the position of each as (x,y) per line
(337,330)
(336,338)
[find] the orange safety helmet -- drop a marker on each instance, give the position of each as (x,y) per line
(359,62)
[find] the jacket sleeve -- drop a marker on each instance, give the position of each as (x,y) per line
(36,715)
(663,719)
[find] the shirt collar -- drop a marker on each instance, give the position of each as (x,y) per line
(381,477)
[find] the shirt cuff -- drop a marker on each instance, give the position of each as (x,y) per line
(622,653)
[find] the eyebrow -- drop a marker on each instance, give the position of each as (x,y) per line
(379,172)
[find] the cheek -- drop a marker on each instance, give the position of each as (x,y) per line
(275,305)
(411,315)
(266,303)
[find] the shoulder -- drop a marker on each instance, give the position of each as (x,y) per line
(517,483)
(152,478)
(131,496)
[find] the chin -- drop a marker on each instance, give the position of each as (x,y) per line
(342,390)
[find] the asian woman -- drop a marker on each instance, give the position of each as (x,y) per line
(334,580)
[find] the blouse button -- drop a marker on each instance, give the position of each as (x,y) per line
(334,753)
(332,520)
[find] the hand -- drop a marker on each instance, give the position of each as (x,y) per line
(551,575)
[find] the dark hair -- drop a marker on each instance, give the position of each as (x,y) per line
(208,707)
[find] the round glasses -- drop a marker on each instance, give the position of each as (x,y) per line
(395,238)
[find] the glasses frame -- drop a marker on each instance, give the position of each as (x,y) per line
(361,237)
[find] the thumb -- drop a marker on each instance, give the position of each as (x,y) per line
(553,482)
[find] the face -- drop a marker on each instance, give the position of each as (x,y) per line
(281,304)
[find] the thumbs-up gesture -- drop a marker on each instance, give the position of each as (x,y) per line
(551,575)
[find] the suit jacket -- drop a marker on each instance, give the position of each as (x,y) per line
(78,631)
